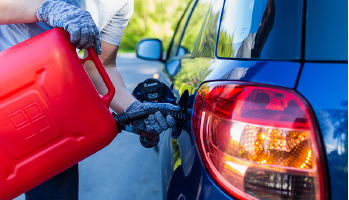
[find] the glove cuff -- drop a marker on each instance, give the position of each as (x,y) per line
(46,12)
(42,13)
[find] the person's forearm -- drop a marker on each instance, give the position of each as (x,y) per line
(19,11)
(122,97)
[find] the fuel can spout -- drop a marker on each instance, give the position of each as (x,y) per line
(152,90)
(125,118)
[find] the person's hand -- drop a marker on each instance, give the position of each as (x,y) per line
(78,22)
(156,122)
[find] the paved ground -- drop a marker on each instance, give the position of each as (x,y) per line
(123,170)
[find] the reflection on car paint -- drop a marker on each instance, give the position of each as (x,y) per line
(166,166)
(261,29)
(187,146)
(194,29)
(281,73)
(325,86)
(176,154)
(334,126)
(207,49)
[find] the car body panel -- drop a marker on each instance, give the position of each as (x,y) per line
(325,86)
(178,179)
(193,72)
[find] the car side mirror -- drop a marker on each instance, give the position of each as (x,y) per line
(173,67)
(149,49)
(182,51)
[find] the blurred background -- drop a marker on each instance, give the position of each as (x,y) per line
(152,18)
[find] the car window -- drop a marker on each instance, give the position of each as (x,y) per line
(210,38)
(327,30)
(261,29)
(194,27)
(179,29)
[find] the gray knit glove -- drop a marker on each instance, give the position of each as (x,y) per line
(156,122)
(78,22)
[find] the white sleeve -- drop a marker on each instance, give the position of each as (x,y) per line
(114,30)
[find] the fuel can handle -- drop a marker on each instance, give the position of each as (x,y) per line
(95,59)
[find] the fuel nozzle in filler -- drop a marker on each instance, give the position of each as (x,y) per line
(152,90)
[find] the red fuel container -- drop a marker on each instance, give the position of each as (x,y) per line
(51,115)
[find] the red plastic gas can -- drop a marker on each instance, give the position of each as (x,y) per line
(51,115)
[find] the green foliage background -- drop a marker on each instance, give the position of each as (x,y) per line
(154,19)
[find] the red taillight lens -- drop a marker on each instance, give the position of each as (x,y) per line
(257,141)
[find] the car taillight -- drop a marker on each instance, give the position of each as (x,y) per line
(258,141)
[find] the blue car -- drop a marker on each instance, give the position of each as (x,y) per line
(267,86)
